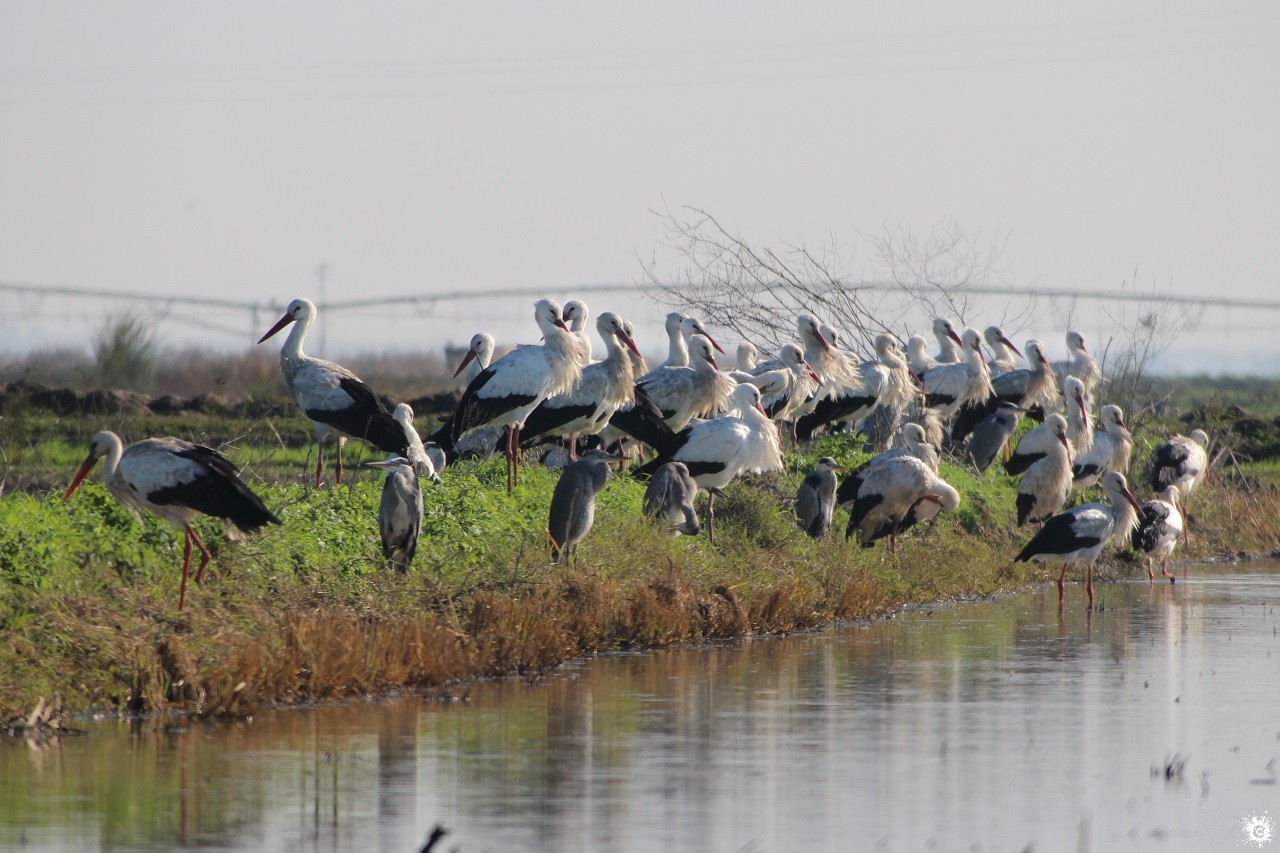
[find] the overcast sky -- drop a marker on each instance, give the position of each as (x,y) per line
(229,149)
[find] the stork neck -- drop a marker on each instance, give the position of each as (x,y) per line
(292,349)
(111,462)
(677,349)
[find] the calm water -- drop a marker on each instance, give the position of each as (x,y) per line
(989,726)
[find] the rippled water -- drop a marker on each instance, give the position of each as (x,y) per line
(989,726)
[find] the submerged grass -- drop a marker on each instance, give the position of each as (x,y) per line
(307,611)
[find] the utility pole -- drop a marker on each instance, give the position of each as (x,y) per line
(322,274)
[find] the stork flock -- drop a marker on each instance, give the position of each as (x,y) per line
(705,424)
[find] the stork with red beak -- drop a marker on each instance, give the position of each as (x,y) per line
(336,401)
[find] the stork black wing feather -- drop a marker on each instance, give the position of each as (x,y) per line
(830,409)
(366,418)
(216,491)
(1165,462)
(1020,462)
(1058,536)
(545,418)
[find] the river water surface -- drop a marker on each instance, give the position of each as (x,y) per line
(1001,725)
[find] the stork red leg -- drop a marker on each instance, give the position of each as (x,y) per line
(711,517)
(1089,583)
(1062,582)
(186,567)
(337,477)
(515,454)
(319,463)
(1186,526)
(205,554)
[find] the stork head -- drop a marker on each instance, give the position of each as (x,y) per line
(1200,437)
(1170,495)
(480,350)
(746,355)
(1075,341)
(972,341)
(99,446)
(1035,353)
(548,316)
(810,331)
(1074,389)
(299,311)
(942,328)
(995,339)
(691,326)
(575,315)
(403,413)
(826,463)
(792,356)
(1117,489)
(1057,425)
(1112,418)
(912,435)
(674,319)
(917,346)
(700,347)
(610,325)
(745,396)
(829,332)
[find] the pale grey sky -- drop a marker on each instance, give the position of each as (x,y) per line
(230,148)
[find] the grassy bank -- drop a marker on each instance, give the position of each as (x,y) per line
(307,611)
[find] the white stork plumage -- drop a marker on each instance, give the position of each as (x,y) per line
(918,355)
(604,388)
(1109,451)
(747,356)
(1080,364)
(1024,387)
(1182,462)
(949,386)
(801,382)
(576,314)
(1079,534)
(1158,530)
(950,347)
(718,450)
(683,393)
(886,381)
(1002,351)
(1044,488)
(176,481)
(424,465)
(1036,443)
(680,331)
(504,393)
(892,495)
(1079,421)
(334,398)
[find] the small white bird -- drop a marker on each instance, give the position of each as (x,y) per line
(338,404)
(177,481)
(1079,534)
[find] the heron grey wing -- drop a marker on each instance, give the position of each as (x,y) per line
(567,502)
(808,500)
(658,494)
(388,516)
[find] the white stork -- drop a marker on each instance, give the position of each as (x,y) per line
(1079,422)
(576,314)
(791,394)
(1158,530)
(718,450)
(1079,534)
(890,496)
(479,354)
(886,381)
(605,387)
(1044,488)
(1036,443)
(505,392)
(334,398)
(418,455)
(479,442)
(680,331)
(683,393)
(1079,364)
(950,386)
(950,347)
(1109,451)
(918,355)
(1182,462)
(177,481)
(835,372)
(911,443)
(1002,351)
(1023,387)
(747,356)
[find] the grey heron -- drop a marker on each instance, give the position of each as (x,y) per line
(573,503)
(400,512)
(669,498)
(816,498)
(991,435)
